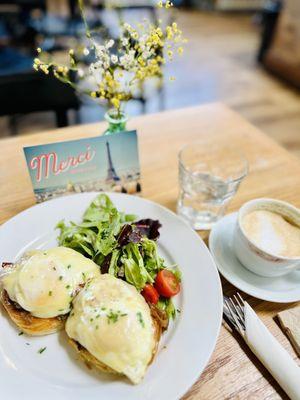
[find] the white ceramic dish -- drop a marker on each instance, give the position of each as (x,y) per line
(184,350)
(282,289)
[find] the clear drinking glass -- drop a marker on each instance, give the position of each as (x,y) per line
(209,176)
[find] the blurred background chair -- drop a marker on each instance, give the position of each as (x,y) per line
(22,90)
(282,56)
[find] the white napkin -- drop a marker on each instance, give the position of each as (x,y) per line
(270,352)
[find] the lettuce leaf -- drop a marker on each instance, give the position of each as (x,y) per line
(95,236)
(167,306)
(135,271)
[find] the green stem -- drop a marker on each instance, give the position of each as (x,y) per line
(87,29)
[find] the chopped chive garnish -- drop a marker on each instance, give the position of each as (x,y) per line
(41,350)
(69,266)
(68,287)
(60,278)
(20,333)
(50,293)
(179,311)
(28,344)
(114,316)
(140,319)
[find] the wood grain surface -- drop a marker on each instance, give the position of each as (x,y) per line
(233,372)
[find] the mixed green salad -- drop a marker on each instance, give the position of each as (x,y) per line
(125,247)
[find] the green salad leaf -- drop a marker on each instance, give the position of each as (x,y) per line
(135,271)
(167,306)
(95,236)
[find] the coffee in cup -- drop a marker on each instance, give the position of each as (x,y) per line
(267,237)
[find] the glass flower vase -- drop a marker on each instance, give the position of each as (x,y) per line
(116,121)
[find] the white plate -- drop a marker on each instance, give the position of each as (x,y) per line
(283,289)
(185,349)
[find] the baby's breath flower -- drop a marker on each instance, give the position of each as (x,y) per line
(93,95)
(180,50)
(80,72)
(127,27)
(114,59)
(71,52)
(110,44)
(86,51)
(39,50)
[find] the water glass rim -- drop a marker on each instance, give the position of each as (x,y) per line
(238,152)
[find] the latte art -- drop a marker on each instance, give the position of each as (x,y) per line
(272,232)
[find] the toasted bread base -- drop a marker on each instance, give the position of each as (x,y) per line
(29,324)
(92,362)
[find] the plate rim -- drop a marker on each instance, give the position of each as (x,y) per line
(231,277)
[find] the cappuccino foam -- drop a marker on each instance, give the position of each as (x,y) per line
(272,232)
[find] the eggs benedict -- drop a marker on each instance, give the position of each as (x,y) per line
(37,291)
(112,328)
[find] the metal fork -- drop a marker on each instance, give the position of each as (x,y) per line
(261,342)
(233,308)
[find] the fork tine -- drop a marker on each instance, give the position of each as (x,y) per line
(240,302)
(238,325)
(239,305)
(241,299)
(239,312)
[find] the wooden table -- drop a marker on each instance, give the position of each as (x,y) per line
(233,371)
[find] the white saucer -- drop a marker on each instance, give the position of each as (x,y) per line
(283,289)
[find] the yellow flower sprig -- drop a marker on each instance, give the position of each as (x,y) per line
(118,67)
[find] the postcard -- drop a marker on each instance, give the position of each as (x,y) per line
(102,163)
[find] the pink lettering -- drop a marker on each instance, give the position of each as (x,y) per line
(37,163)
(49,163)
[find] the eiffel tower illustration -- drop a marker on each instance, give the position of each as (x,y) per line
(111,172)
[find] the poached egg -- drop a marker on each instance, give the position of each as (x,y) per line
(111,320)
(44,282)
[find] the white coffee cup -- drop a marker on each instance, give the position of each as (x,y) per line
(250,254)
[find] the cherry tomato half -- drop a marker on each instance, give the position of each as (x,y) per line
(150,294)
(166,283)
